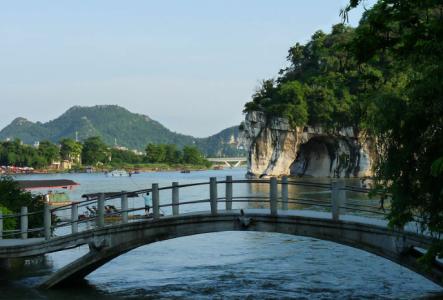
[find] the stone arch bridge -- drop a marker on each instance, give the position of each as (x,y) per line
(109,239)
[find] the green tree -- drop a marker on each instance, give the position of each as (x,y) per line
(406,113)
(172,155)
(323,85)
(14,153)
(49,152)
(13,198)
(191,155)
(8,223)
(155,153)
(95,151)
(70,150)
(125,156)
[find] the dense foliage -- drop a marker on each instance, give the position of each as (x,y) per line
(164,153)
(385,78)
(92,152)
(120,156)
(406,114)
(95,151)
(14,153)
(115,124)
(323,85)
(13,198)
(70,150)
(8,223)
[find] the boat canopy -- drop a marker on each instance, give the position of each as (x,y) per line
(47,184)
(110,195)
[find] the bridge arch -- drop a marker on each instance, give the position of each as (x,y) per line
(110,242)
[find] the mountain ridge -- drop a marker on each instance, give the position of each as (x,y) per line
(117,125)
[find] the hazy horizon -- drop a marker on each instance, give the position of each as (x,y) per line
(188,65)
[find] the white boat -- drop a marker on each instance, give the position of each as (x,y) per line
(119,173)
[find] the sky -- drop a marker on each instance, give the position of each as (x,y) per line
(191,65)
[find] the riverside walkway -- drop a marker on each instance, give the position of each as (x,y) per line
(110,235)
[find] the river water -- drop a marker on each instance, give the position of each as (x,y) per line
(219,265)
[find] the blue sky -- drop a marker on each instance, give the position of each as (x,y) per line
(189,64)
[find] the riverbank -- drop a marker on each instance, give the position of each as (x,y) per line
(133,168)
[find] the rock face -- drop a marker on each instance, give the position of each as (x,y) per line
(276,149)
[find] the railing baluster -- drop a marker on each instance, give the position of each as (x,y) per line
(47,220)
(124,207)
(1,224)
(338,199)
(228,193)
(101,210)
(74,217)
(213,195)
(175,199)
(284,192)
(24,222)
(273,196)
(155,201)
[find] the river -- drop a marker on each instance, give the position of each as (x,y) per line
(219,265)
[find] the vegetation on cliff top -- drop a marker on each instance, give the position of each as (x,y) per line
(384,77)
(323,85)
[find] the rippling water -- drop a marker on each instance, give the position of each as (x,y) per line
(220,265)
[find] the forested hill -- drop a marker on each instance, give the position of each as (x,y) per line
(116,124)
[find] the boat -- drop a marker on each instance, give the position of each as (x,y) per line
(119,173)
(185,171)
(58,198)
(56,190)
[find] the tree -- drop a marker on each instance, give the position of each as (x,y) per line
(125,156)
(14,153)
(49,152)
(406,113)
(95,151)
(8,223)
(191,155)
(323,85)
(13,198)
(172,154)
(70,150)
(155,153)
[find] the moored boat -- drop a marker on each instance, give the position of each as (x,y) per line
(54,191)
(119,173)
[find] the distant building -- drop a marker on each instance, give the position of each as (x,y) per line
(61,165)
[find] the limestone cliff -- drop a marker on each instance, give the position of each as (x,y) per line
(276,149)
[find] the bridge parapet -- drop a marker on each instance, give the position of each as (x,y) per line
(101,216)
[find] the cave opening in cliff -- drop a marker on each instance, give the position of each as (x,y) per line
(325,156)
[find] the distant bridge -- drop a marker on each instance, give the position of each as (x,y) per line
(231,162)
(108,240)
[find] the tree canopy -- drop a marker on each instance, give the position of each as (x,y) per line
(95,151)
(385,78)
(13,198)
(170,154)
(406,114)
